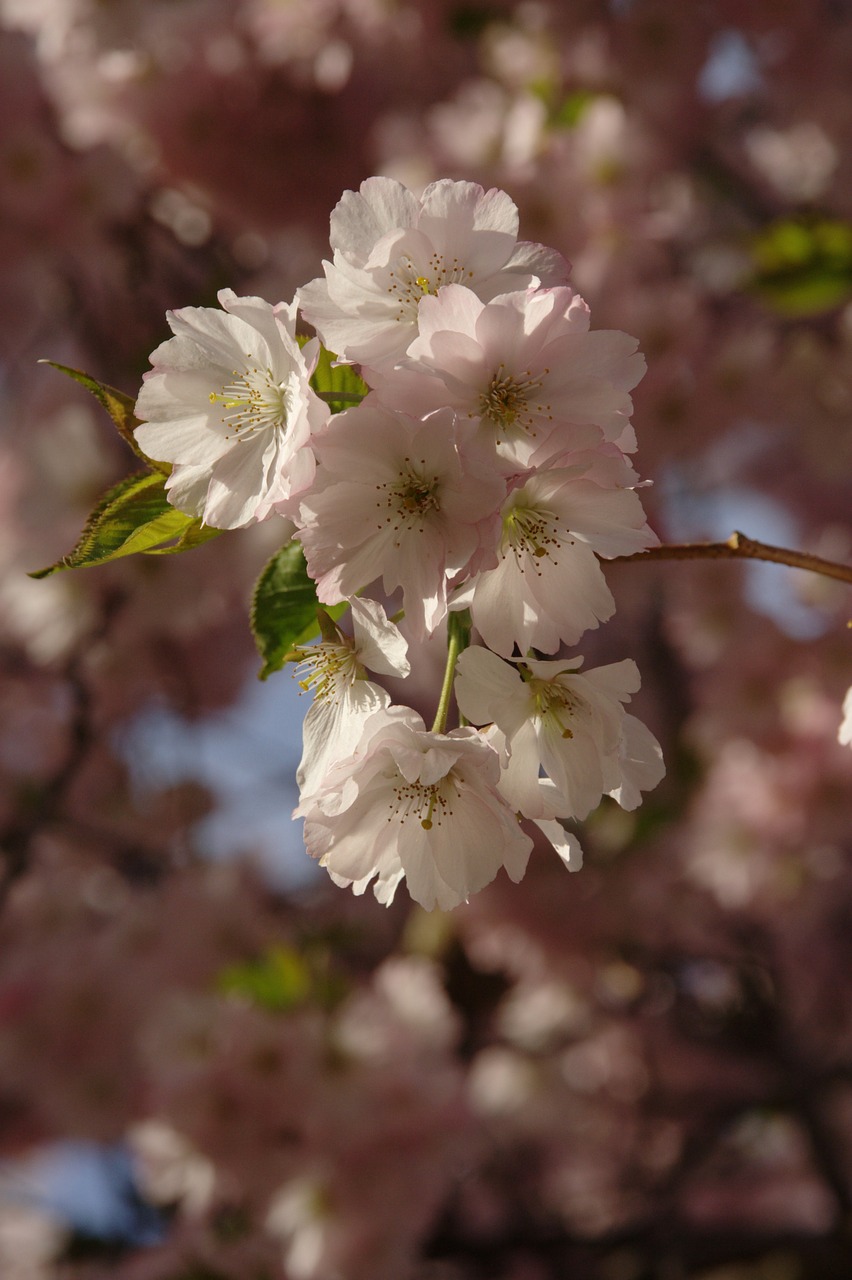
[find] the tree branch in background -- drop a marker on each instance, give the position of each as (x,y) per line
(739,547)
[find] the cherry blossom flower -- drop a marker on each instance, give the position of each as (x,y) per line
(419,805)
(392,249)
(548,587)
(525,366)
(400,499)
(844,733)
(571,725)
(228,403)
(343,697)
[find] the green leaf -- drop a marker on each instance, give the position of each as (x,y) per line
(571,110)
(195,534)
(329,378)
(286,977)
(120,407)
(133,516)
(278,980)
(284,608)
(803,266)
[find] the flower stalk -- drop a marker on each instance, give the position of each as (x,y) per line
(458,638)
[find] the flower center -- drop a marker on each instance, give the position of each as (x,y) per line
(430,805)
(410,501)
(506,404)
(531,531)
(410,281)
(253,402)
(557,705)
(326,668)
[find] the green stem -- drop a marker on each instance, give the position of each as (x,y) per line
(458,638)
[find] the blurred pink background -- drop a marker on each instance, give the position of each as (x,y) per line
(213,1064)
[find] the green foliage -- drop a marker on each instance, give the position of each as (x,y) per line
(571,110)
(133,516)
(281,979)
(136,516)
(120,407)
(284,608)
(803,266)
(330,379)
(278,980)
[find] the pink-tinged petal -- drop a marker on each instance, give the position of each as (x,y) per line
(420,569)
(547,265)
(361,218)
(184,355)
(333,729)
(276,325)
(454,307)
(611,521)
(640,761)
(601,355)
(187,489)
(395,499)
(391,249)
(617,679)
(463,222)
(421,803)
(349,854)
(379,643)
(231,392)
(470,848)
(499,609)
(567,595)
(189,441)
(229,341)
(490,690)
(236,483)
(424,882)
(292,477)
(175,389)
(844,733)
(573,765)
(551,668)
(520,782)
(565,844)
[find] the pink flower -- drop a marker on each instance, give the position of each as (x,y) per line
(844,733)
(391,250)
(400,499)
(344,698)
(228,403)
(418,805)
(525,366)
(548,587)
(572,726)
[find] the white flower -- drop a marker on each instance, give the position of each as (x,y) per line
(525,367)
(228,403)
(548,587)
(418,805)
(572,726)
(398,499)
(844,733)
(343,698)
(391,249)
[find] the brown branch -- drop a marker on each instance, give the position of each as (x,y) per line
(739,547)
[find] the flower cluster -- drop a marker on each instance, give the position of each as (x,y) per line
(480,479)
